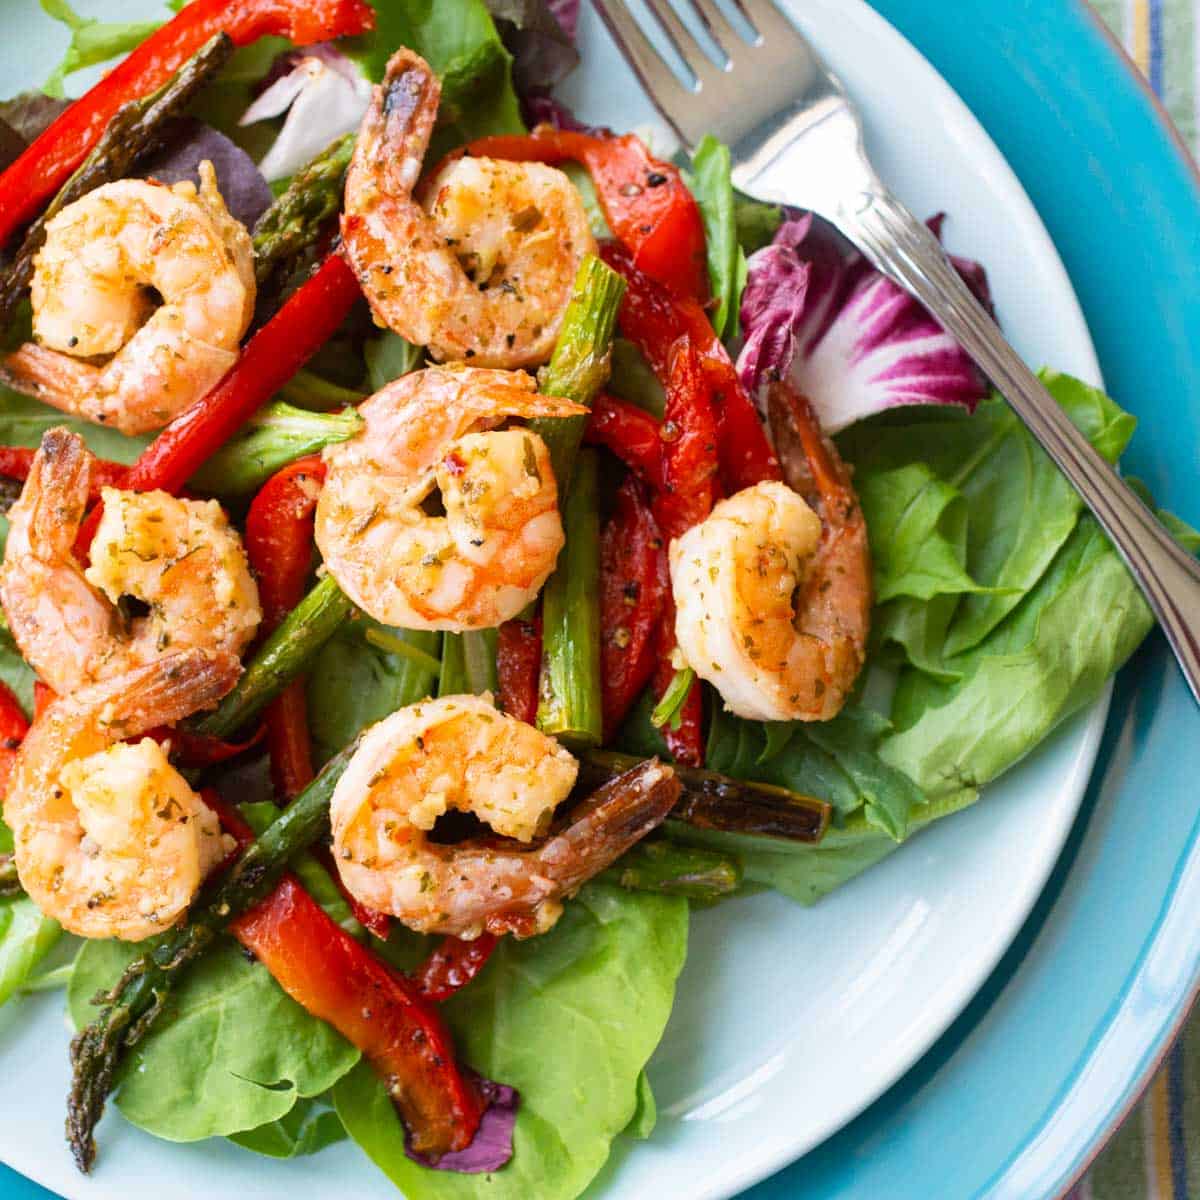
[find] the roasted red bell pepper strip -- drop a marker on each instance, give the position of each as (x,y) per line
(341,982)
(631,433)
(14,725)
(689,437)
(279,544)
(654,319)
(271,357)
(452,966)
(634,586)
(518,664)
(646,203)
(45,165)
(15,462)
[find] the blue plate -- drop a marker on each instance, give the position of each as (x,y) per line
(1022,1090)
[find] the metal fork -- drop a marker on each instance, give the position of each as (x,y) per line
(796,138)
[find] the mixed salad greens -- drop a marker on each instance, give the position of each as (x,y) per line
(1000,610)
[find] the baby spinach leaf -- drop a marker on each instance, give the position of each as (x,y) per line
(352,684)
(756,223)
(23,421)
(231,1051)
(569,1019)
(309,1126)
(388,357)
(713,189)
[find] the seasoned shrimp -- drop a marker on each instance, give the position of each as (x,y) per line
(181,558)
(109,838)
(485,269)
(773,601)
(489,555)
(105,256)
(459,753)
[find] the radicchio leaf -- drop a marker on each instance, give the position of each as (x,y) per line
(243,188)
(540,38)
(851,340)
(324,95)
(492,1145)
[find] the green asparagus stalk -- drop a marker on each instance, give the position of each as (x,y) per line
(298,217)
(674,870)
(282,657)
(130,1008)
(569,689)
(579,366)
(713,801)
(277,435)
(468,663)
(137,128)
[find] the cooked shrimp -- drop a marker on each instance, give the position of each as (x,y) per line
(105,256)
(179,557)
(489,555)
(773,601)
(459,753)
(109,838)
(485,269)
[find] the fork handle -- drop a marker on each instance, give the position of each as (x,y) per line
(907,252)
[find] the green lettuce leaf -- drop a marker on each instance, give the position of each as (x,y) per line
(92,41)
(713,189)
(231,1052)
(569,1019)
(26,937)
(756,223)
(309,1126)
(1047,659)
(459,41)
(352,684)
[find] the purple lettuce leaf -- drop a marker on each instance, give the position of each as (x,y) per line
(849,339)
(492,1145)
(244,189)
(541,38)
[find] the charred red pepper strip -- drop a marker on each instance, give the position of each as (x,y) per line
(15,462)
(14,725)
(452,966)
(631,433)
(45,165)
(271,357)
(654,319)
(646,203)
(279,544)
(518,664)
(341,982)
(634,586)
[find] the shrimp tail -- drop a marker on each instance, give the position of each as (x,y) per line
(58,482)
(61,381)
(613,819)
(160,693)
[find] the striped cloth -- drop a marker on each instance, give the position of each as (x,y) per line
(1155,1155)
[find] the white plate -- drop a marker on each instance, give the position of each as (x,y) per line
(789,1021)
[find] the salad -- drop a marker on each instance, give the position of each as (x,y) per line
(448,547)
